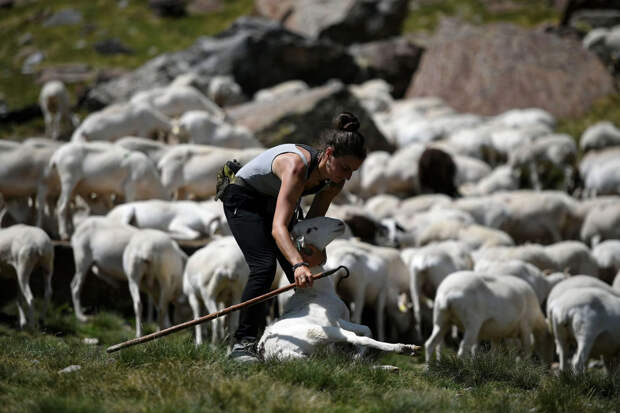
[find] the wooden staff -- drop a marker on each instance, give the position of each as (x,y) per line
(208,317)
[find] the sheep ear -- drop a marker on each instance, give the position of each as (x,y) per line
(300,241)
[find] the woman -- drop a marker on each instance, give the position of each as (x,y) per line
(260,206)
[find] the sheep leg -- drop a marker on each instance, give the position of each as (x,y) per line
(359,329)
(585,340)
(470,340)
(49,271)
(164,304)
(63,209)
(195,305)
(358,304)
(211,306)
(82,265)
(415,286)
(526,340)
(380,314)
(179,230)
(135,271)
(25,265)
(326,335)
(234,316)
(561,341)
(440,328)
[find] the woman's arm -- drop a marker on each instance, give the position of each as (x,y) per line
(292,173)
(323,199)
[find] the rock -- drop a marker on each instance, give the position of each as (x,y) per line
(112,46)
(300,118)
(203,6)
(24,39)
(168,8)
(595,18)
(64,17)
(28,67)
(488,70)
(387,367)
(258,53)
(90,341)
(70,369)
(67,73)
(394,60)
(342,21)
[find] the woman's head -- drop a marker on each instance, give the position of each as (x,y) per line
(344,147)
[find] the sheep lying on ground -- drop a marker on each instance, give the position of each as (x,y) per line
(489,307)
(22,249)
(216,274)
(316,317)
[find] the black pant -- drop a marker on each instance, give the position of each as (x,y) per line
(250,217)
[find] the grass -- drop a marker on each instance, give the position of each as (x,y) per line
(171,375)
(135,25)
(426,14)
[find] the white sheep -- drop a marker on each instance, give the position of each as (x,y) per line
(23,249)
(607,256)
(572,257)
(153,263)
(176,99)
(599,136)
(541,284)
(56,107)
(316,317)
(428,267)
(600,224)
(532,253)
(123,119)
(216,275)
(589,317)
(489,307)
(192,169)
(182,220)
(105,169)
(155,150)
(201,127)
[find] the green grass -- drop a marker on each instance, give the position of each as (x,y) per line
(426,14)
(136,26)
(172,375)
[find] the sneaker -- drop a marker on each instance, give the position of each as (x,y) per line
(244,351)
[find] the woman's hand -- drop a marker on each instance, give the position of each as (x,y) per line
(312,255)
(303,276)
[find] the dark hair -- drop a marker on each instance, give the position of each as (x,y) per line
(344,137)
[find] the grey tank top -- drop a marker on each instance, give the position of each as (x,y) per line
(258,172)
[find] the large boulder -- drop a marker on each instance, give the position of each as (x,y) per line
(301,117)
(394,60)
(488,70)
(257,52)
(342,21)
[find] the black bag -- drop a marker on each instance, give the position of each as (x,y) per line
(226,176)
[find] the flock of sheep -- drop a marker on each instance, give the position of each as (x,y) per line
(515,257)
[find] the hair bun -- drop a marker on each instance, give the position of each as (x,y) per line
(346,121)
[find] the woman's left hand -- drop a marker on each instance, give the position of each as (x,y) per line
(312,255)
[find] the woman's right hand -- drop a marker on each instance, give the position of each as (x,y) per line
(303,276)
